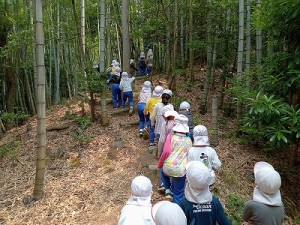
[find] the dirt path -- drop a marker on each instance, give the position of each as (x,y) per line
(88,183)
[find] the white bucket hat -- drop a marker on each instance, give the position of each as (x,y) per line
(268,182)
(200,135)
(168,92)
(142,55)
(141,190)
(146,87)
(198,177)
(185,105)
(118,71)
(168,213)
(171,113)
(181,124)
(131,61)
(125,75)
(157,92)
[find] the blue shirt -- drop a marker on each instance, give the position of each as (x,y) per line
(204,214)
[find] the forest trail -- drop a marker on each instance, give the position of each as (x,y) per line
(88,176)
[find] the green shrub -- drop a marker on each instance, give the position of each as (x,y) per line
(10,149)
(83,122)
(14,118)
(235,207)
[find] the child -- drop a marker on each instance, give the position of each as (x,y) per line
(144,96)
(169,115)
(173,159)
(168,213)
(114,81)
(149,62)
(126,88)
(142,64)
(156,97)
(156,117)
(201,151)
(266,206)
(184,109)
(199,205)
(138,208)
(132,68)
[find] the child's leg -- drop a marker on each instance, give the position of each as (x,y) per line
(151,136)
(130,99)
(141,107)
(120,100)
(178,184)
(114,93)
(165,179)
(125,95)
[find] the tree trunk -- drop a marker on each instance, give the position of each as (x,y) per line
(104,115)
(214,121)
(248,43)
(258,48)
(125,36)
(240,53)
(191,50)
(57,59)
(38,191)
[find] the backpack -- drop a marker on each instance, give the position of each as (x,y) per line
(174,165)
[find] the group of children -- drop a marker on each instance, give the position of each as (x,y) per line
(121,86)
(187,165)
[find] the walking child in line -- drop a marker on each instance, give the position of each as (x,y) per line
(156,117)
(114,82)
(200,206)
(185,109)
(266,207)
(126,88)
(144,96)
(173,159)
(203,152)
(156,97)
(137,210)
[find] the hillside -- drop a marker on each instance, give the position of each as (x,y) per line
(89,172)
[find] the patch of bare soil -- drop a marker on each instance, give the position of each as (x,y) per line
(89,182)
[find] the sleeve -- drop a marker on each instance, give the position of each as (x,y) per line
(216,163)
(221,217)
(166,151)
(121,85)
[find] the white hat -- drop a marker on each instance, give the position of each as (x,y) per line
(168,110)
(198,177)
(125,75)
(157,92)
(131,61)
(266,178)
(141,190)
(185,105)
(118,71)
(168,213)
(200,135)
(170,113)
(268,182)
(113,62)
(181,124)
(146,87)
(116,64)
(142,55)
(168,92)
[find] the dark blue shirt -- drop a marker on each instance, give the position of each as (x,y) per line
(204,214)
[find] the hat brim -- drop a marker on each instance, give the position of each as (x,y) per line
(170,113)
(181,128)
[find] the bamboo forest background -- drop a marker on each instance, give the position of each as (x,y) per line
(255,45)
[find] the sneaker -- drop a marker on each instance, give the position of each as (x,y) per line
(168,194)
(161,187)
(131,111)
(141,132)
